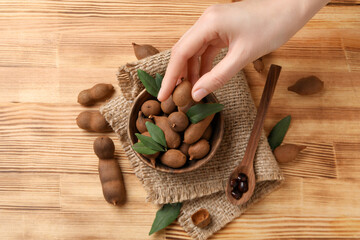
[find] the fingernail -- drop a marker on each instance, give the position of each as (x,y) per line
(199,94)
(178,81)
(159,95)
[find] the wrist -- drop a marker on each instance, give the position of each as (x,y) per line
(310,7)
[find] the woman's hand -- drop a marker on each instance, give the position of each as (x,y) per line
(251,29)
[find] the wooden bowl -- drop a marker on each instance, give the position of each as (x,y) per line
(215,140)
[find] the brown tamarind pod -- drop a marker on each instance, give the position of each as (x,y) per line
(111,178)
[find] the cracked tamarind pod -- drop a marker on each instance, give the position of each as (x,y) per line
(143,51)
(287,152)
(259,65)
(201,218)
(307,86)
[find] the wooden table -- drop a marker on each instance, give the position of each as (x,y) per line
(49,185)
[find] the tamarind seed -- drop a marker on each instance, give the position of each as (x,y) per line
(243,187)
(236,194)
(234,183)
(242,177)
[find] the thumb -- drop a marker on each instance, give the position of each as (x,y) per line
(219,75)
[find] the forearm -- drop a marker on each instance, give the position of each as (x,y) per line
(250,28)
(278,20)
(301,11)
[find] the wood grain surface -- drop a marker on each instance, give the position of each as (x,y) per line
(49,186)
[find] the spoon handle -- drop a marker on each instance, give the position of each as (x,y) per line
(268,92)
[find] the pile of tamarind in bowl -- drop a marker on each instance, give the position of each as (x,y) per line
(189,145)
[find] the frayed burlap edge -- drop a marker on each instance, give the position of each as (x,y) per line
(221,210)
(116,112)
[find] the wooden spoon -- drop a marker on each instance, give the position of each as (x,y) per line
(247,164)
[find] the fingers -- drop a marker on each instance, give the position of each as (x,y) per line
(207,59)
(193,69)
(186,48)
(219,75)
(169,81)
(183,74)
(198,68)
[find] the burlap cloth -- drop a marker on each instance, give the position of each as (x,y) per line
(202,188)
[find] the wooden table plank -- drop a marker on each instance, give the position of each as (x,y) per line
(86,214)
(29,192)
(45,138)
(345,2)
(302,208)
(347,157)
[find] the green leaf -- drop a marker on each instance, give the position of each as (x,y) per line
(158,80)
(149,142)
(156,133)
(140,148)
(164,216)
(278,133)
(200,111)
(148,82)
